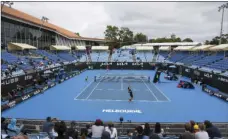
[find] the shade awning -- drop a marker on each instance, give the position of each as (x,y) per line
(80,47)
(59,47)
(202,47)
(20,46)
(164,48)
(184,48)
(144,48)
(100,47)
(219,47)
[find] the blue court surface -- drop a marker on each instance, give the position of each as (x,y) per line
(107,99)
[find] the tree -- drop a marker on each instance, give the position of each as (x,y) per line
(207,42)
(118,37)
(216,39)
(187,40)
(77,33)
(140,38)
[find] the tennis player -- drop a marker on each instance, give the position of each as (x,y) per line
(86,79)
(131,94)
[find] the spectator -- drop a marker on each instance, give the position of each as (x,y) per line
(105,135)
(60,128)
(196,128)
(47,126)
(97,129)
(146,130)
(192,123)
(20,137)
(72,131)
(202,134)
(158,130)
(88,127)
(139,133)
(112,130)
(4,124)
(12,128)
(187,134)
(212,130)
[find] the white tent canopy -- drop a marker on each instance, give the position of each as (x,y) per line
(219,47)
(144,48)
(169,44)
(202,47)
(59,47)
(164,48)
(184,48)
(81,47)
(20,46)
(99,47)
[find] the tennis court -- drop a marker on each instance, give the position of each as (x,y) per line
(113,87)
(107,97)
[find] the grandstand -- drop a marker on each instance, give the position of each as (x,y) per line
(44,66)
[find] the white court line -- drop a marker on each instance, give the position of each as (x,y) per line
(119,100)
(161,92)
(99,89)
(93,90)
(83,90)
(150,90)
(121,83)
(111,89)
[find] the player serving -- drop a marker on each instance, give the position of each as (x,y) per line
(131,94)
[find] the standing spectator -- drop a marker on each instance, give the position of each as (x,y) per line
(112,130)
(139,133)
(146,130)
(105,135)
(97,129)
(158,130)
(187,134)
(212,130)
(202,134)
(47,126)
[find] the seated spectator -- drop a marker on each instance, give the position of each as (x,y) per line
(60,128)
(196,128)
(158,130)
(97,129)
(192,123)
(4,125)
(139,134)
(212,130)
(48,125)
(105,135)
(12,128)
(202,134)
(187,134)
(146,130)
(112,130)
(72,131)
(20,137)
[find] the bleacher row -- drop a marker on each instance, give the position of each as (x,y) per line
(171,130)
(213,60)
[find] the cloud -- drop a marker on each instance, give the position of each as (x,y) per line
(198,20)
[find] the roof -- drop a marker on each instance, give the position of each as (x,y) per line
(20,46)
(59,47)
(169,44)
(31,19)
(164,48)
(80,47)
(143,48)
(219,47)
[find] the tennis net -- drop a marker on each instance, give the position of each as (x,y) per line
(121,78)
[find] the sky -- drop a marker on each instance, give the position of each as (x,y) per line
(197,20)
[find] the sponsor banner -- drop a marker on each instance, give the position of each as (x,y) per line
(223,79)
(51,85)
(121,111)
(214,92)
(66,78)
(208,75)
(45,88)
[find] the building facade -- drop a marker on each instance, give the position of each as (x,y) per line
(19,27)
